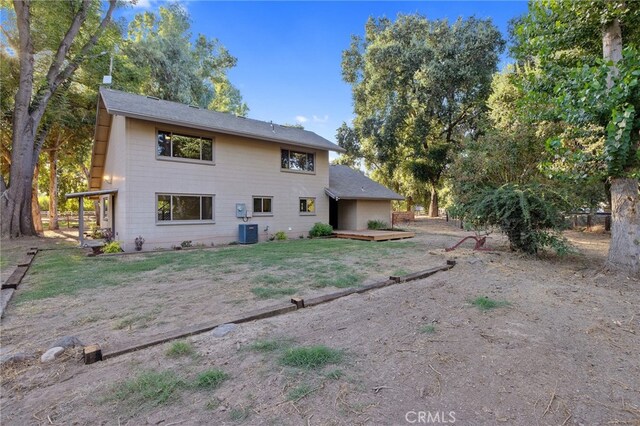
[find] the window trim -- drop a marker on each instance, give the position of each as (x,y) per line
(305,172)
(307,213)
(254,197)
(185,222)
(191,134)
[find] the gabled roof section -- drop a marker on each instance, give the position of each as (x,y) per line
(349,184)
(100,141)
(153,109)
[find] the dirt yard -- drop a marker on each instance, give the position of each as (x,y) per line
(562,346)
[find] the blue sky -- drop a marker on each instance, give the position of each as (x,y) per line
(289,53)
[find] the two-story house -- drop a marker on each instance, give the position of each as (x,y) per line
(171,172)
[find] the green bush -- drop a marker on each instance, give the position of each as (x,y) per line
(280,236)
(529,215)
(377,224)
(321,230)
(112,247)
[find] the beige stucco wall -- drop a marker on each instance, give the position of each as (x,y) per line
(243,168)
(114,176)
(354,214)
(372,210)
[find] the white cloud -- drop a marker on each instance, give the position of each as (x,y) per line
(301,119)
(324,119)
(141,4)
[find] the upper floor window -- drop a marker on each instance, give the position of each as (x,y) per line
(298,161)
(262,206)
(180,207)
(175,145)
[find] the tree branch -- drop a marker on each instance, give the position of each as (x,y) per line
(57,76)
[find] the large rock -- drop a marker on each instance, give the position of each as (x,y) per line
(67,342)
(223,330)
(51,354)
(16,358)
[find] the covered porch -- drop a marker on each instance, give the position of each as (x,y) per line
(105,216)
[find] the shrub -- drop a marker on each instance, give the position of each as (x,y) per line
(112,247)
(280,236)
(377,224)
(529,215)
(321,230)
(186,244)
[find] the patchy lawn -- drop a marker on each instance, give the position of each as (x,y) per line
(499,339)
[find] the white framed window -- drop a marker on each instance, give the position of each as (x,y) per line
(184,208)
(178,146)
(308,206)
(297,161)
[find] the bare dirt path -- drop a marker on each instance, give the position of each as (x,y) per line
(563,351)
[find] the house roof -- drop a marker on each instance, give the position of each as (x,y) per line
(115,102)
(153,109)
(349,184)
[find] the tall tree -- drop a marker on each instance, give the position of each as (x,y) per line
(593,80)
(159,58)
(65,41)
(418,86)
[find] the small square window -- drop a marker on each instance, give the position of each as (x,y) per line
(262,205)
(308,206)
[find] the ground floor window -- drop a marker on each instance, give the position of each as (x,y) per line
(183,207)
(308,206)
(263,205)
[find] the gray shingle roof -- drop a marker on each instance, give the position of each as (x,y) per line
(153,109)
(347,183)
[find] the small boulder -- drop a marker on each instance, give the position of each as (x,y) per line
(51,354)
(67,342)
(223,330)
(16,358)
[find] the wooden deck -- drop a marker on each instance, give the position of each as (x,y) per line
(370,235)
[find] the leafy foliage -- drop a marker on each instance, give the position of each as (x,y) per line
(377,224)
(320,229)
(418,86)
(527,214)
(112,247)
(280,236)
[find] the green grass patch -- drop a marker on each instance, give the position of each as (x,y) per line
(149,388)
(270,345)
(211,379)
(311,357)
(484,303)
(179,349)
(334,374)
(272,293)
(68,271)
(299,392)
(428,329)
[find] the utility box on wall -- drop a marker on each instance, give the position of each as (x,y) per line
(248,233)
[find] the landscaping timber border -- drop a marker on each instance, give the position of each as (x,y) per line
(14,280)
(93,353)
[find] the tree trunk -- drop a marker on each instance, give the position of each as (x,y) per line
(35,207)
(433,205)
(53,190)
(624,251)
(612,47)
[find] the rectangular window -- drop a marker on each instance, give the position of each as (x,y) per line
(262,206)
(174,208)
(174,145)
(298,161)
(308,206)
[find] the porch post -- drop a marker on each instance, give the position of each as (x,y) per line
(81,220)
